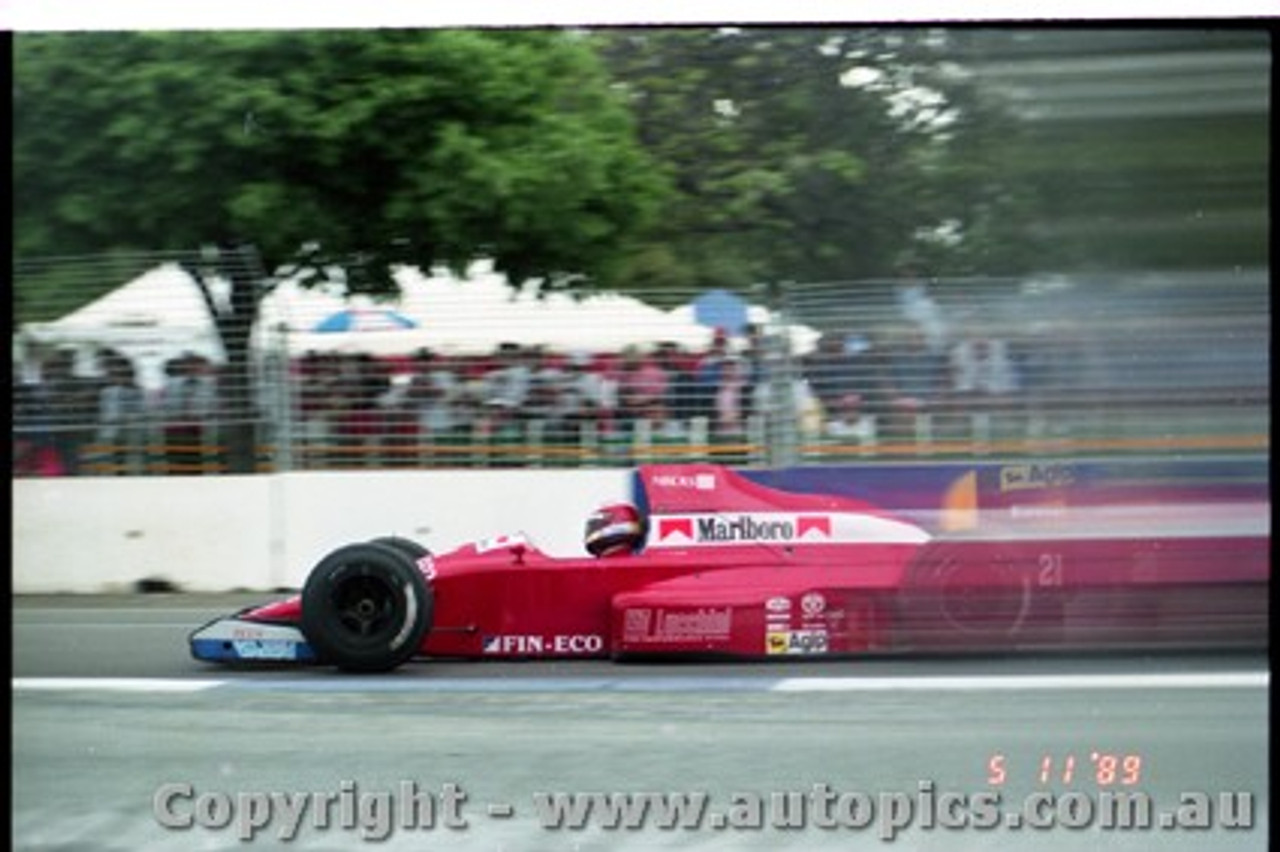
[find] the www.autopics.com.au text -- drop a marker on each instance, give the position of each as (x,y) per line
(375,814)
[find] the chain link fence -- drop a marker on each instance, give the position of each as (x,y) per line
(121,369)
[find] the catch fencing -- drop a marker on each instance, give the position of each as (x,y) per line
(121,370)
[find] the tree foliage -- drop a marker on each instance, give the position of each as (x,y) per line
(350,150)
(817,154)
(368,147)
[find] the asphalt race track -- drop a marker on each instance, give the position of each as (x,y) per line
(116,731)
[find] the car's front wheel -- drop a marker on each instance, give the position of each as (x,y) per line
(366,608)
(407,546)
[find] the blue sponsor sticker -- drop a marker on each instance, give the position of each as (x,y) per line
(266,649)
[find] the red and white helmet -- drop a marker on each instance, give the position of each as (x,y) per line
(614,529)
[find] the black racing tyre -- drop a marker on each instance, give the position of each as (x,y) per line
(985,599)
(968,594)
(366,608)
(407,546)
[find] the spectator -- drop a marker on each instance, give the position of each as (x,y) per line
(434,391)
(35,446)
(318,399)
(915,377)
(983,380)
(707,376)
(507,388)
(579,400)
(754,360)
(398,413)
(545,380)
(121,410)
(642,390)
(981,366)
(789,399)
(682,390)
(731,399)
(607,370)
(67,406)
(361,425)
(918,307)
(190,401)
(829,373)
(472,374)
(850,377)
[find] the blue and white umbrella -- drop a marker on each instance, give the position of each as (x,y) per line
(365,319)
(721,309)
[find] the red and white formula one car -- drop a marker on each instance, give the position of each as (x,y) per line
(709,562)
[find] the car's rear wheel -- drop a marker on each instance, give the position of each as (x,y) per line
(366,608)
(986,599)
(974,595)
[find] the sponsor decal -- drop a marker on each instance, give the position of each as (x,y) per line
(500,542)
(813,604)
(1020,477)
(796,642)
(698,624)
(744,528)
(636,622)
(248,633)
(664,625)
(777,613)
(720,529)
(265,649)
(584,643)
(819,524)
(696,482)
(682,527)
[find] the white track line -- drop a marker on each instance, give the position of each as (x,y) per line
(114,684)
(974,683)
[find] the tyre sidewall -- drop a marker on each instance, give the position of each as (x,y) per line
(390,645)
(407,546)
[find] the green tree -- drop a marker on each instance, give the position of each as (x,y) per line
(817,154)
(354,149)
(1141,149)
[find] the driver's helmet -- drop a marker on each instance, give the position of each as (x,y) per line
(614,529)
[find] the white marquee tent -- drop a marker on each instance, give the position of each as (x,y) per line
(475,314)
(161,315)
(153,318)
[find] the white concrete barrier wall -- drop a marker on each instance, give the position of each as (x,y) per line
(87,535)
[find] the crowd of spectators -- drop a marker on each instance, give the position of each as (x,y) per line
(66,419)
(864,385)
(877,385)
(349,400)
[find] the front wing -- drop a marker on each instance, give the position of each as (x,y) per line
(236,639)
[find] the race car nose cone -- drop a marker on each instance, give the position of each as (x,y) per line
(234,639)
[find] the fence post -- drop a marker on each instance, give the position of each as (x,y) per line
(699,435)
(641,440)
(780,432)
(981,432)
(589,441)
(757,439)
(535,441)
(924,433)
(285,399)
(135,451)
